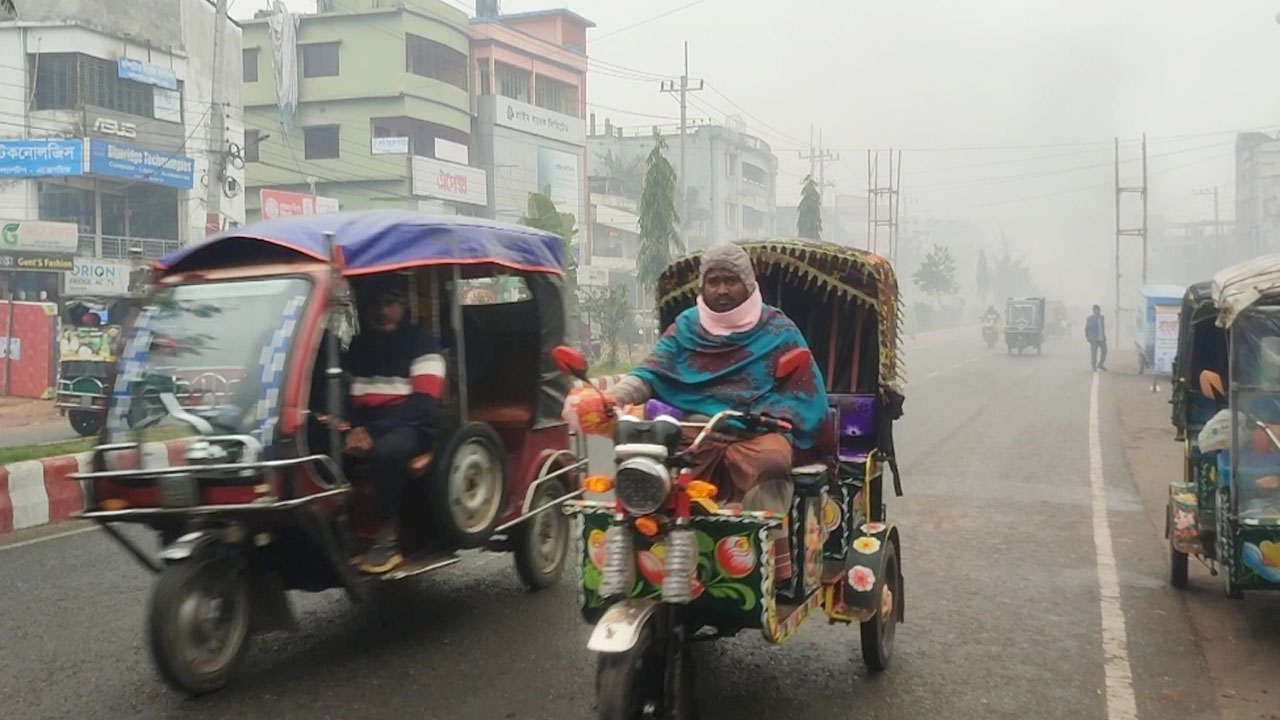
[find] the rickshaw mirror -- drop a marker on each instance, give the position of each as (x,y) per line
(792,361)
(569,361)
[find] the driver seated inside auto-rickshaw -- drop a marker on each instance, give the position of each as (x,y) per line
(719,355)
(396,377)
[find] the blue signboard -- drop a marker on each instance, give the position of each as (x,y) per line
(130,69)
(135,163)
(41,158)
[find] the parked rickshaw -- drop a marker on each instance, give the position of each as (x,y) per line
(664,566)
(1024,324)
(87,344)
(259,504)
(1228,511)
(1155,327)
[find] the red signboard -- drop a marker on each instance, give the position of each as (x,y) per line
(282,203)
(32,361)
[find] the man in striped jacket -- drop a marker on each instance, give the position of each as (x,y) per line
(397,375)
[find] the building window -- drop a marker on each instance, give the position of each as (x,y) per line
(429,58)
(320,60)
(486,83)
(422,134)
(752,219)
(53,77)
(731,215)
(61,203)
(250,150)
(557,96)
(249,58)
(512,82)
(730,165)
(320,142)
(755,174)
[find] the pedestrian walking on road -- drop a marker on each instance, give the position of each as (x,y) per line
(1095,331)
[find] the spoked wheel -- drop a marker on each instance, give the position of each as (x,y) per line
(86,423)
(199,624)
(651,681)
(469,485)
(542,542)
(878,632)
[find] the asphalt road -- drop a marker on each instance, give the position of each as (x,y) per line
(1004,612)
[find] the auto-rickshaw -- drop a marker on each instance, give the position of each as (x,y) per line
(1024,324)
(259,505)
(663,566)
(87,346)
(1240,440)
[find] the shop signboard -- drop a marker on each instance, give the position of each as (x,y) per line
(116,159)
(447,181)
(39,236)
(282,203)
(558,180)
(91,276)
(41,158)
(539,121)
(138,71)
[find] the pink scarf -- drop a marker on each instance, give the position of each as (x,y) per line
(740,319)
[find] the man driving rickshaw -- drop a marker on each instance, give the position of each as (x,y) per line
(720,354)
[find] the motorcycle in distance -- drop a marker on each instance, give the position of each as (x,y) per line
(990,334)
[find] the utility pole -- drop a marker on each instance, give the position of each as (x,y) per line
(1121,231)
(684,88)
(875,191)
(218,126)
(1217,231)
(818,163)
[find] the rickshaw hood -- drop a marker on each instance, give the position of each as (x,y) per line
(1238,287)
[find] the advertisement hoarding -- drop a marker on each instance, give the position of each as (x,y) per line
(134,163)
(447,181)
(558,180)
(282,203)
(91,276)
(41,158)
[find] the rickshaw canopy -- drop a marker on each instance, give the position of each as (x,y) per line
(826,272)
(376,241)
(1238,287)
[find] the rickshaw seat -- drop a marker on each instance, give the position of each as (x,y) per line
(418,465)
(499,415)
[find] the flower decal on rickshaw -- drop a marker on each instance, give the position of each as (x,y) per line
(1183,519)
(595,548)
(1264,559)
(867,545)
(830,515)
(735,557)
(862,578)
(873,528)
(651,565)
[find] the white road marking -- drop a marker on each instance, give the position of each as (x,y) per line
(931,374)
(1118,673)
(46,538)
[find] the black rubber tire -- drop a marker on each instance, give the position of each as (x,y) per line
(628,682)
(534,571)
(878,633)
(86,423)
(478,436)
(1177,567)
(164,631)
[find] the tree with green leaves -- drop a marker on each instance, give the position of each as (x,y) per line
(622,177)
(936,275)
(809,213)
(659,219)
(610,310)
(541,213)
(984,276)
(1010,277)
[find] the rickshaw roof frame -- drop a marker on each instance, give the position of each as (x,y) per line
(384,241)
(857,276)
(1240,286)
(1162,292)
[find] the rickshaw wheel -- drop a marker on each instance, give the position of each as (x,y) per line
(86,423)
(542,541)
(878,632)
(468,488)
(199,624)
(654,679)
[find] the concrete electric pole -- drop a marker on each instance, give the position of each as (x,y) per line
(217,126)
(1121,231)
(684,88)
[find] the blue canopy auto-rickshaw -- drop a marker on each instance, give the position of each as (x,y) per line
(259,501)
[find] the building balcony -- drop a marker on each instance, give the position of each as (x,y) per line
(114,247)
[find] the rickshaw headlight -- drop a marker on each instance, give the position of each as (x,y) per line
(642,485)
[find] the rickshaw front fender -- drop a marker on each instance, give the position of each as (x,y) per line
(862,589)
(188,545)
(619,628)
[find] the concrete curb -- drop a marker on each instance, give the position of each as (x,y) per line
(38,492)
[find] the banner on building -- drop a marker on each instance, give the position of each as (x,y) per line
(41,158)
(558,180)
(447,181)
(135,163)
(39,236)
(91,276)
(390,146)
(282,203)
(539,121)
(138,71)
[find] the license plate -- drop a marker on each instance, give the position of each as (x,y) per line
(179,491)
(86,401)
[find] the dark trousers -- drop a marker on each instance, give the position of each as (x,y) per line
(389,467)
(1098,353)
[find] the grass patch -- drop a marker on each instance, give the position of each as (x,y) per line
(44,450)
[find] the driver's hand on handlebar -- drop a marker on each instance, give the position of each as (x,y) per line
(359,441)
(591,410)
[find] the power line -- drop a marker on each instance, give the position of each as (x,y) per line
(646,21)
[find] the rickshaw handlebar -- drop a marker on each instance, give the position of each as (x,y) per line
(753,421)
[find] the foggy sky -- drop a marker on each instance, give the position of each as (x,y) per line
(938,77)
